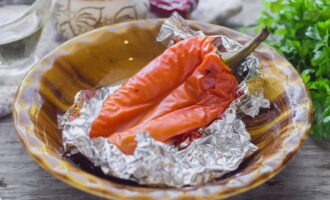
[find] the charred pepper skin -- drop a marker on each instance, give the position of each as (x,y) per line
(149,86)
(185,88)
(194,104)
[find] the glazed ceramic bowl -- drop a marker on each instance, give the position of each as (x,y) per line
(110,54)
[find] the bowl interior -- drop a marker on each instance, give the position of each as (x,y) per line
(111,54)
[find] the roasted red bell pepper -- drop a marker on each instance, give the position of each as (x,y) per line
(149,86)
(194,104)
(185,88)
(164,8)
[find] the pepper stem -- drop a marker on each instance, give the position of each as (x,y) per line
(233,60)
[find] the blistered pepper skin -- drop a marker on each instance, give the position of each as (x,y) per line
(127,106)
(194,104)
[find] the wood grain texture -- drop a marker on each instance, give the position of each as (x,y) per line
(307,177)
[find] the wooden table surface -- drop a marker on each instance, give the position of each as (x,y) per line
(307,177)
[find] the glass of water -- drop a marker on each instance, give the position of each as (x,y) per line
(21,24)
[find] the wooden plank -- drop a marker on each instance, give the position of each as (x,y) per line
(22,178)
(306,178)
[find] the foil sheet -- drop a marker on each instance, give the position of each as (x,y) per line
(223,146)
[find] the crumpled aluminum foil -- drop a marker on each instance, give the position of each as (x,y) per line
(221,149)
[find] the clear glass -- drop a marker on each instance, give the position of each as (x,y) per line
(21,24)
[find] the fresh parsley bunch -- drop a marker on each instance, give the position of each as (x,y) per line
(302,32)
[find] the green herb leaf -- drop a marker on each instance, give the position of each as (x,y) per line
(302,32)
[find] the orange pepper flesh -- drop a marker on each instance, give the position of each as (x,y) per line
(194,104)
(199,88)
(184,89)
(126,106)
